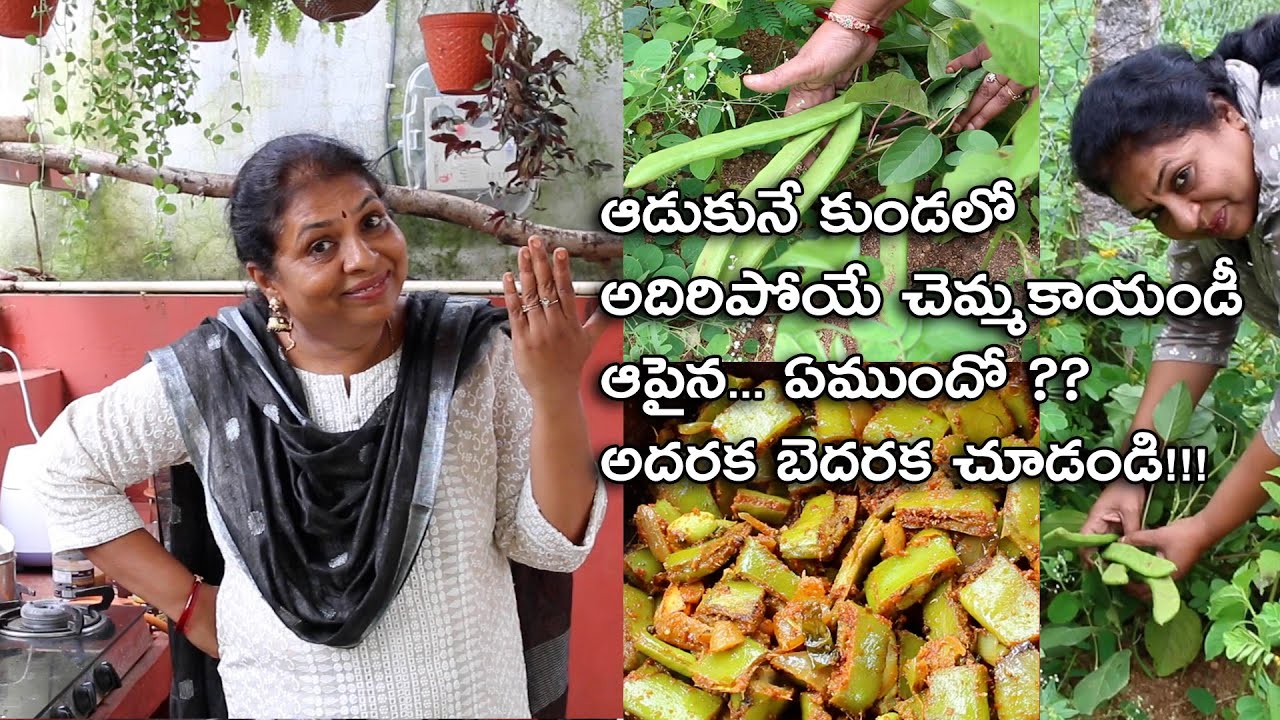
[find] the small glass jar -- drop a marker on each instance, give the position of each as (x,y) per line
(71,571)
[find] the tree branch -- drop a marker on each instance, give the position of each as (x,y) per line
(587,244)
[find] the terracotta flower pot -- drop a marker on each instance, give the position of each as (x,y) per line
(334,10)
(208,20)
(455,48)
(20,18)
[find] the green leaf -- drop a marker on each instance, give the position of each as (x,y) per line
(1175,644)
(892,88)
(913,154)
(1054,636)
(654,54)
(649,256)
(703,168)
(1025,161)
(938,57)
(695,76)
(719,345)
(822,254)
(1268,622)
(977,140)
(729,83)
(632,269)
(1202,700)
(1063,608)
(750,346)
(1104,683)
(709,118)
(1173,413)
(675,32)
(975,168)
(1012,31)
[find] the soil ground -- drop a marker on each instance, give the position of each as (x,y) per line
(1166,698)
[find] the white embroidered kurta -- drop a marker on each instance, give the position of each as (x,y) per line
(449,645)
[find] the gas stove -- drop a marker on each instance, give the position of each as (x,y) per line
(60,659)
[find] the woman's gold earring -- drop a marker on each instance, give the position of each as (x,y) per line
(278,322)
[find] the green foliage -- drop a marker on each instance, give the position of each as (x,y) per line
(681,80)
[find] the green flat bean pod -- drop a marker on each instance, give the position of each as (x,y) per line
(668,160)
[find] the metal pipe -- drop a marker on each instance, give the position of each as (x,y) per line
(238,287)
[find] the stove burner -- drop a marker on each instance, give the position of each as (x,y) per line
(51,619)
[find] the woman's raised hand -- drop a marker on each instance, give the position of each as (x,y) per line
(550,344)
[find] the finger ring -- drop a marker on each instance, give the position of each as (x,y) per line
(1012,95)
(989,77)
(526,308)
(548,303)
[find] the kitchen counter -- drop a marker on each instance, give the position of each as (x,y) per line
(144,690)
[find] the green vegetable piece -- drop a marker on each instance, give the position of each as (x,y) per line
(641,567)
(1017,398)
(1165,599)
(903,580)
(652,530)
(989,648)
(968,510)
(805,670)
(637,611)
(658,696)
(701,560)
(909,645)
(981,419)
(729,670)
(957,693)
(1115,574)
(763,568)
(859,558)
(665,654)
(666,510)
(834,423)
(687,495)
(905,421)
(765,420)
(1021,517)
(1017,684)
(655,165)
(1139,561)
(1004,602)
(738,601)
(1063,538)
(697,525)
(761,701)
(766,508)
(944,616)
(812,707)
(804,539)
(866,642)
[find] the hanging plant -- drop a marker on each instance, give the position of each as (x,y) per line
(525,97)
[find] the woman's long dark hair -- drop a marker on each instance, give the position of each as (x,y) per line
(1159,94)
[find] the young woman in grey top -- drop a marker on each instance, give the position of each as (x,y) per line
(1194,146)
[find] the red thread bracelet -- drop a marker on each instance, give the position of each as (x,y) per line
(849,22)
(191,605)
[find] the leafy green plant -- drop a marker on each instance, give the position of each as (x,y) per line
(682,93)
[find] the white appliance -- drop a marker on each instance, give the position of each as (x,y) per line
(470,174)
(20,511)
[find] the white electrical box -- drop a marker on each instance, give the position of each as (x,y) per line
(472,174)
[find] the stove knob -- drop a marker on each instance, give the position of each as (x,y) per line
(105,678)
(84,698)
(62,711)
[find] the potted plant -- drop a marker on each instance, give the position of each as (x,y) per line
(524,96)
(461,45)
(330,11)
(22,18)
(208,20)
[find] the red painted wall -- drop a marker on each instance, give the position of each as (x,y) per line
(95,340)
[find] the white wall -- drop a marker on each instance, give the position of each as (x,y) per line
(315,86)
